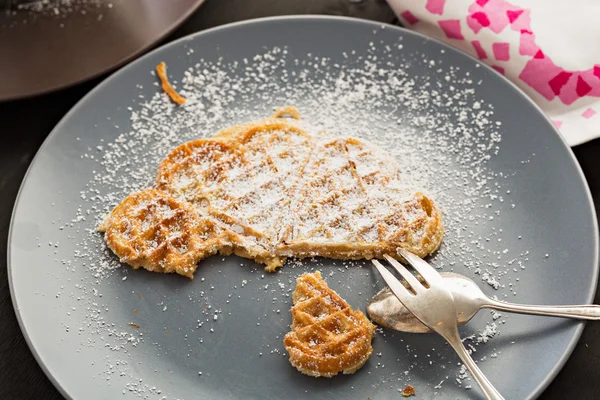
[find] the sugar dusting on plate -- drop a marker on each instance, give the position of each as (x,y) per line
(57,7)
(372,97)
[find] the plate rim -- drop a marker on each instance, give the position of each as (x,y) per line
(535,393)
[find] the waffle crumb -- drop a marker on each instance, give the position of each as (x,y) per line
(161,71)
(327,335)
(409,391)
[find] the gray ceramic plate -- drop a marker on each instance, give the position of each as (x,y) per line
(75,314)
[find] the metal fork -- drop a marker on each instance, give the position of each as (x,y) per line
(432,303)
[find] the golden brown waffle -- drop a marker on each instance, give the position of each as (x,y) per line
(151,229)
(269,190)
(327,335)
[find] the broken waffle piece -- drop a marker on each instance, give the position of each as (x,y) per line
(408,391)
(327,335)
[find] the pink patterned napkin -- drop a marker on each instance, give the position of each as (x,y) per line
(550,49)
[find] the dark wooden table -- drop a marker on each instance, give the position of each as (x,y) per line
(25,124)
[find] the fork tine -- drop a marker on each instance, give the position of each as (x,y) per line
(406,274)
(401,292)
(427,271)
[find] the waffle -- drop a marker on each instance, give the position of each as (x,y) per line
(268,190)
(327,335)
(153,230)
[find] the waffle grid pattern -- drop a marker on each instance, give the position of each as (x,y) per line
(269,190)
(327,335)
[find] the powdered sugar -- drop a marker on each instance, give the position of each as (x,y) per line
(58,8)
(410,117)
(444,155)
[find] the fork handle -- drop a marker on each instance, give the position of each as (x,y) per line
(487,388)
(589,312)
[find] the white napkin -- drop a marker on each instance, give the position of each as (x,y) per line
(550,49)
